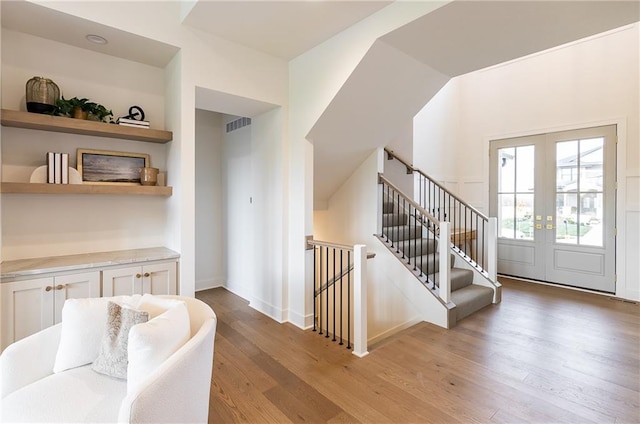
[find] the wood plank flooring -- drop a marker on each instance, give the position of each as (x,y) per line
(544,355)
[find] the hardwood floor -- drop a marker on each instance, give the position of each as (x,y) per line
(544,355)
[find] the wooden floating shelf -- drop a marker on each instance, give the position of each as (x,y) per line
(37,121)
(35,188)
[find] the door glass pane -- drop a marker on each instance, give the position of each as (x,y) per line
(591,224)
(566,218)
(515,192)
(566,166)
(579,191)
(524,216)
(506,215)
(524,169)
(506,169)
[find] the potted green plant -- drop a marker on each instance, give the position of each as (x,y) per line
(81,109)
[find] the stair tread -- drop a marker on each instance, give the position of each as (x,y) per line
(471,299)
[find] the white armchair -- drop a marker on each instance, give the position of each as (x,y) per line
(177,391)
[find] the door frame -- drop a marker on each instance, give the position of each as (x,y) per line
(622,288)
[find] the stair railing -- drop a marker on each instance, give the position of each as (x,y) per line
(474,234)
(413,233)
(340,293)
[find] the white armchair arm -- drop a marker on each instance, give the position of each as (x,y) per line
(178,391)
(28,360)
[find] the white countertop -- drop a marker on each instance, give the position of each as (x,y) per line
(27,267)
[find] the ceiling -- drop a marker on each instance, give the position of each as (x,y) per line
(34,19)
(405,68)
(283,29)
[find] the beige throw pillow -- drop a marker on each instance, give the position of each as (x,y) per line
(112,359)
(83,324)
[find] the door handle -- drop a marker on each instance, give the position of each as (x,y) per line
(61,286)
(146,274)
(48,288)
(549,227)
(538,226)
(138,275)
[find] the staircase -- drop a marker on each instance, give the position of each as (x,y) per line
(417,246)
(410,224)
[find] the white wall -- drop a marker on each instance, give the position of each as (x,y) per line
(203,61)
(239,210)
(211,252)
(254,199)
(269,214)
(314,79)
(48,225)
(587,83)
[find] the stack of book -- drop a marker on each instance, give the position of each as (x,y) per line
(57,168)
(127,122)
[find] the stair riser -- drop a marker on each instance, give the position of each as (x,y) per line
(388,207)
(429,264)
(393,220)
(403,233)
(460,278)
(417,247)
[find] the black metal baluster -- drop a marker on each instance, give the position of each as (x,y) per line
(334,294)
(397,209)
(349,301)
(341,293)
(430,200)
(315,280)
(404,209)
(456,208)
(327,295)
(320,291)
(459,220)
(415,240)
(466,212)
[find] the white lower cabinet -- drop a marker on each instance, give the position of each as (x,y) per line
(29,306)
(156,278)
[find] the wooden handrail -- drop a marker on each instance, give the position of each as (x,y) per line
(391,155)
(419,208)
(319,243)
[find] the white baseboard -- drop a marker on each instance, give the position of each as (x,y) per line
(303,322)
(210,283)
(394,330)
(269,310)
(237,292)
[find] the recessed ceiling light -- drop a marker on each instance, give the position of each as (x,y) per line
(96,39)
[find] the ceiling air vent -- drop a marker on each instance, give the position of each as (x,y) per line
(238,123)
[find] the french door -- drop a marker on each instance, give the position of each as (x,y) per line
(554,197)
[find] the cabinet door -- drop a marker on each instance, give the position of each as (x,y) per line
(74,286)
(27,307)
(122,281)
(159,278)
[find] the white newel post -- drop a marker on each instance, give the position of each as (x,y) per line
(445,261)
(492,248)
(360,300)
